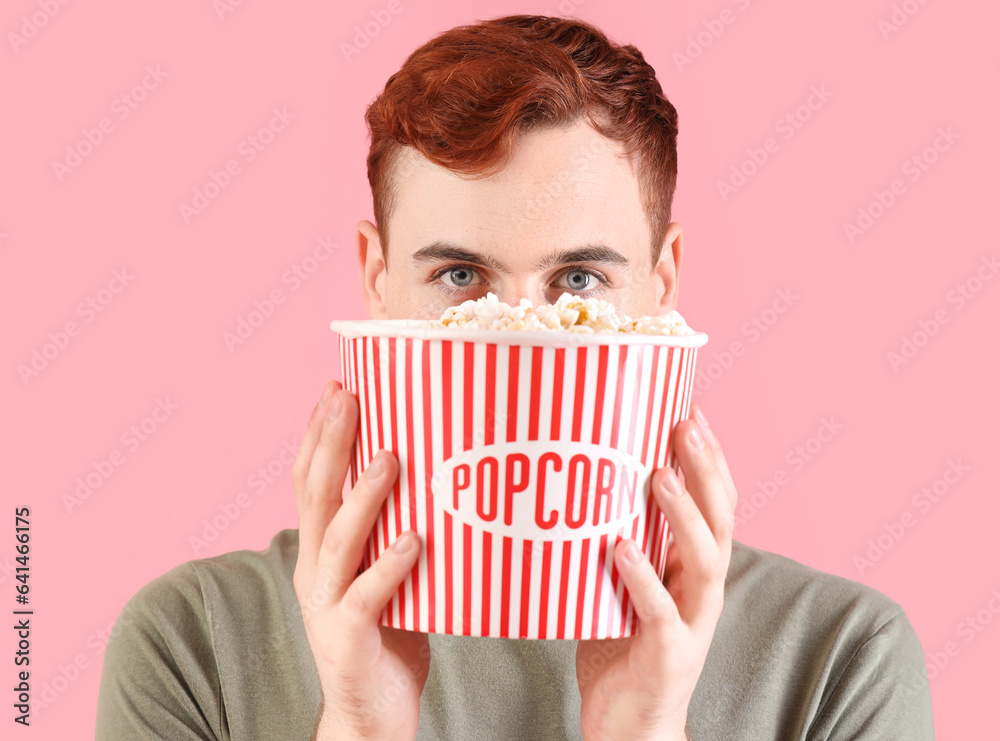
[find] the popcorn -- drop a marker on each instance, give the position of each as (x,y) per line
(525,404)
(569,313)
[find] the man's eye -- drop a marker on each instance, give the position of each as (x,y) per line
(459,277)
(579,280)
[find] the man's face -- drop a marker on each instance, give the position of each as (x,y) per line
(564,215)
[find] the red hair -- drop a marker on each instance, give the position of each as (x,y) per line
(463,99)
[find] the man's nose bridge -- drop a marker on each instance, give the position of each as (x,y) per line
(515,289)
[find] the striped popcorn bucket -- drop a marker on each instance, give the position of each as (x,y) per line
(524,458)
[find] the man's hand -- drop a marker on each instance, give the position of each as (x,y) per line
(640,687)
(371,676)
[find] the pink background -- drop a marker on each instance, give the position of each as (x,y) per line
(160,339)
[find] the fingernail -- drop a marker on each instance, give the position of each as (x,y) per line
(375,468)
(671,484)
(700,416)
(705,426)
(631,553)
(404,543)
(695,437)
(326,393)
(335,407)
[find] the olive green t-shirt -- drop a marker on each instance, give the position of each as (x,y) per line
(216,649)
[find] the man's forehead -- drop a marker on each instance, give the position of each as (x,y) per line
(563,188)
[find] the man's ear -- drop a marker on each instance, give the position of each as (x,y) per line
(372,269)
(668,269)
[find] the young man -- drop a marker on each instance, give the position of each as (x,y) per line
(525,156)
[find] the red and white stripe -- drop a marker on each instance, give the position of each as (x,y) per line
(427,400)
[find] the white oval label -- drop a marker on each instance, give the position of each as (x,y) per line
(563,491)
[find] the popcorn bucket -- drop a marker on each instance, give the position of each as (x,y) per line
(524,458)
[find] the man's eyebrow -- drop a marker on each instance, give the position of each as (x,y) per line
(587,253)
(443,251)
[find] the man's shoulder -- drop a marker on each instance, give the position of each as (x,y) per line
(798,649)
(218,642)
(781,591)
(194,588)
(787,577)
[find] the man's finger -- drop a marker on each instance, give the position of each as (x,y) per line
(323,492)
(300,468)
(705,480)
(694,542)
(650,600)
(720,458)
(344,541)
